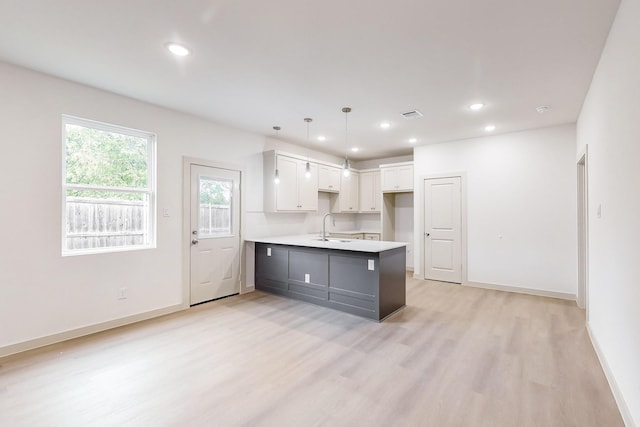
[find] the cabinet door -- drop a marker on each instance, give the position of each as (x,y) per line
(397,178)
(366,192)
(389,177)
(352,193)
(307,187)
(377,193)
(287,189)
(405,178)
(328,178)
(370,193)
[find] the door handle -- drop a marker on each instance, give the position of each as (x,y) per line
(194,241)
(427,234)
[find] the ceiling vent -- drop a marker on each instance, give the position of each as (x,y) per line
(413,114)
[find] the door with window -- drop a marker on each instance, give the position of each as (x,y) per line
(443,229)
(215,233)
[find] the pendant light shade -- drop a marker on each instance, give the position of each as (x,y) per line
(307,171)
(307,167)
(276,174)
(346,167)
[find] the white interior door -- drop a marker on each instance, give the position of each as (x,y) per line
(215,233)
(443,229)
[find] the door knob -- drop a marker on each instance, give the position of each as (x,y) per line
(194,241)
(427,234)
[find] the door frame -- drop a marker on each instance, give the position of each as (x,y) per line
(420,217)
(582,174)
(186,221)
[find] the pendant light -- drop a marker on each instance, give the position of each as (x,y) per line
(346,168)
(307,168)
(276,176)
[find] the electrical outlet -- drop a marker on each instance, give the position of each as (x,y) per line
(371,264)
(122,293)
(307,278)
(165,212)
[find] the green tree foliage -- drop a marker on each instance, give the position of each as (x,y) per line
(215,192)
(96,157)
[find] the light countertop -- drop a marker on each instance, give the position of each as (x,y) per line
(311,241)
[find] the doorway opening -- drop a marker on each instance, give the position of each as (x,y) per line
(583,233)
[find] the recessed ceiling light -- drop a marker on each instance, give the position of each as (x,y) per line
(178,49)
(355,149)
(413,140)
(490,128)
(476,107)
(385,125)
(322,138)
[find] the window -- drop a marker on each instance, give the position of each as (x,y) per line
(108,183)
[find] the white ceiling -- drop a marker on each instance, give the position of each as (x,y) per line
(259,63)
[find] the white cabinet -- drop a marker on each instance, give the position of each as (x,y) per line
(294,192)
(370,193)
(348,198)
(398,177)
(329,178)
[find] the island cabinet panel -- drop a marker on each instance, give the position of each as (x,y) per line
(353,285)
(368,284)
(272,267)
(308,273)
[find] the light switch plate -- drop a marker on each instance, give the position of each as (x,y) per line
(307,278)
(268,251)
(371,265)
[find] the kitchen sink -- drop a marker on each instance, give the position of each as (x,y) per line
(332,240)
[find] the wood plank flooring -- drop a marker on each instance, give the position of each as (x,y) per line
(456,356)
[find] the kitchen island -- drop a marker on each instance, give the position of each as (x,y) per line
(361,277)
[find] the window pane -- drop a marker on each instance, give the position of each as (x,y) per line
(101,219)
(97,157)
(215,207)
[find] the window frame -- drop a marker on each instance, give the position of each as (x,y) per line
(150,190)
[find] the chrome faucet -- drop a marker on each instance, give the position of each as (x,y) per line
(324,226)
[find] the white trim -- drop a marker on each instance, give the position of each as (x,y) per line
(418,200)
(86,330)
(390,165)
(611,379)
(418,276)
(583,288)
(186,219)
(518,290)
(106,188)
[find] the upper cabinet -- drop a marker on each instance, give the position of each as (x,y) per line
(397,177)
(294,192)
(370,192)
(329,178)
(348,198)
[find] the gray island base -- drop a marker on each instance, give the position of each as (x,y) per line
(367,284)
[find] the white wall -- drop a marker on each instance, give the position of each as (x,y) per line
(45,294)
(403,226)
(521,186)
(610,124)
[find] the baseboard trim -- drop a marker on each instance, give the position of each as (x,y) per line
(528,291)
(418,276)
(611,379)
(87,330)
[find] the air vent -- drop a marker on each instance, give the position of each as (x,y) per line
(413,114)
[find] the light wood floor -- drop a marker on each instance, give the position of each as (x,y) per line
(456,356)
